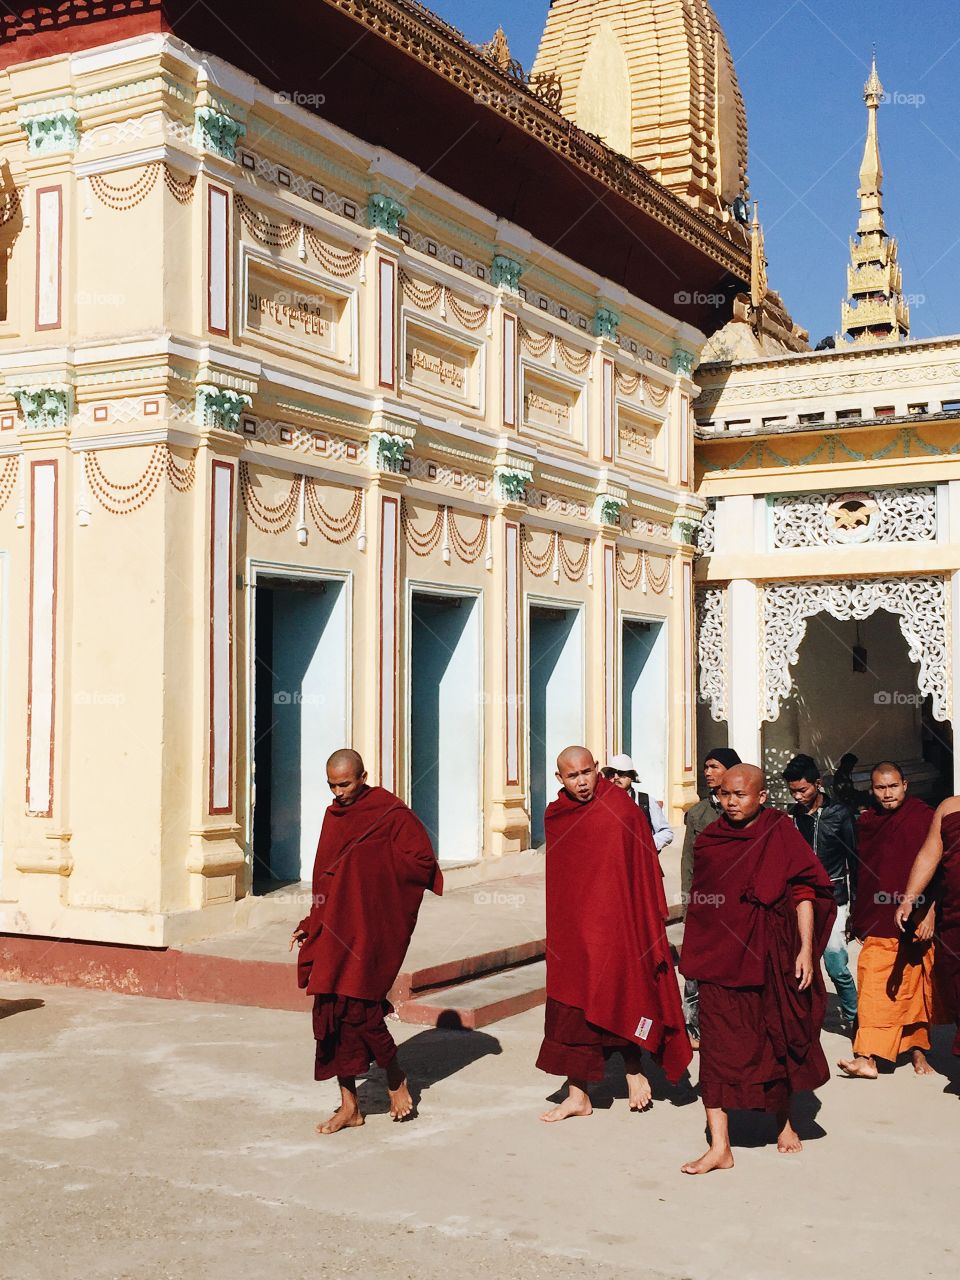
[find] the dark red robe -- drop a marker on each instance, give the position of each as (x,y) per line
(948,928)
(608,958)
(374,863)
(887,844)
(759,1035)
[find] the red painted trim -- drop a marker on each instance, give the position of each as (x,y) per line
(49,462)
(608,394)
(510,409)
(510,525)
(684,440)
(51,30)
(385,502)
(609,646)
(58,323)
(224,466)
(391,269)
(219,191)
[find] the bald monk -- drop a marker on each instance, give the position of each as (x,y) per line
(760,912)
(940,856)
(374,863)
(895,970)
(610,980)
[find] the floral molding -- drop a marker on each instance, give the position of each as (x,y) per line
(216,132)
(683,361)
(607,508)
(384,213)
(606,323)
(511,482)
(51,126)
(44,408)
(220,407)
(711,607)
(505,272)
(832,448)
(387,451)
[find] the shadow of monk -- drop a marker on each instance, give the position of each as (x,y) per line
(432,1055)
(9,1007)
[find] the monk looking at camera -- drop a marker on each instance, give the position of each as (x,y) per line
(610,980)
(760,912)
(374,863)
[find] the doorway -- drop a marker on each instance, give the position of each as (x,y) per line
(644,708)
(301,716)
(555,699)
(446,722)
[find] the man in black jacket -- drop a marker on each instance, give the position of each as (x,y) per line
(829,830)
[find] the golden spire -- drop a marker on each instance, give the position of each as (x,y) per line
(758,262)
(874,310)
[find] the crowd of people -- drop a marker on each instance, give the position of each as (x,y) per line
(767,895)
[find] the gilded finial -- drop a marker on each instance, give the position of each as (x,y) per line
(873,89)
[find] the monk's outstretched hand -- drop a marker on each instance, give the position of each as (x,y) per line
(804,968)
(903,913)
(298,937)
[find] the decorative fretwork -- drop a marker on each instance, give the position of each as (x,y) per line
(712,649)
(217,132)
(707,532)
(57,130)
(880,515)
(920,603)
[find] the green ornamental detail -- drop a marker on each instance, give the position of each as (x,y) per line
(685,530)
(505,272)
(387,450)
(44,408)
(56,131)
(606,323)
(220,407)
(608,509)
(682,361)
(216,132)
(512,483)
(385,214)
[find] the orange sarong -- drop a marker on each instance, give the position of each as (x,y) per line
(895,998)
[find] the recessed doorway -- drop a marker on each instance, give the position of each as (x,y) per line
(555,699)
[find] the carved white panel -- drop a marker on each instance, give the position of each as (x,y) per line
(837,519)
(712,649)
(920,604)
(707,533)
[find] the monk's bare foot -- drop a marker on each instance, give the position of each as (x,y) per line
(639,1091)
(788,1140)
(920,1064)
(401,1104)
(719,1158)
(858,1068)
(342,1118)
(567,1109)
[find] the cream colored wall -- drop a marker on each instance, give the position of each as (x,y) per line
(132,852)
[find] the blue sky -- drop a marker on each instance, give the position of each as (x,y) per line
(802,64)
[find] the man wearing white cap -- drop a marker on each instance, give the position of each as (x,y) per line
(623,774)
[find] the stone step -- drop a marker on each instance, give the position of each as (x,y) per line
(478,1002)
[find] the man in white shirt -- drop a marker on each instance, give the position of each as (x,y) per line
(622,773)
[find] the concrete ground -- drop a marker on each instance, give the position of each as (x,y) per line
(162,1140)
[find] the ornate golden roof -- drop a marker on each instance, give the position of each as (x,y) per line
(655,80)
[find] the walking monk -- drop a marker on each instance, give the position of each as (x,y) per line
(895,971)
(760,913)
(610,980)
(940,852)
(374,863)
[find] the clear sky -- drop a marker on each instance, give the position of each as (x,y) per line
(802,65)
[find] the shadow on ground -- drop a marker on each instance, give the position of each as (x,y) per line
(427,1058)
(9,1007)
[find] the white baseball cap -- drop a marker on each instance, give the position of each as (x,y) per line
(622,764)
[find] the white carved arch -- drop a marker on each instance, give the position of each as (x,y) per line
(712,649)
(920,603)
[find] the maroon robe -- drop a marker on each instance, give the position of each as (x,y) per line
(610,974)
(948,932)
(759,1035)
(373,865)
(887,844)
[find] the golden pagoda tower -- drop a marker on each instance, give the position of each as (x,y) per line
(874,310)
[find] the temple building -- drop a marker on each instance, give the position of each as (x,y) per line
(829,570)
(347,399)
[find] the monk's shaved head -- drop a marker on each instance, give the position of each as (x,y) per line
(346,758)
(742,794)
(577,773)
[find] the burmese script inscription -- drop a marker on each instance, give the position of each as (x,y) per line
(279,309)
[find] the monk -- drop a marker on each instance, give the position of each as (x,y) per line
(760,912)
(940,856)
(374,863)
(610,980)
(895,970)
